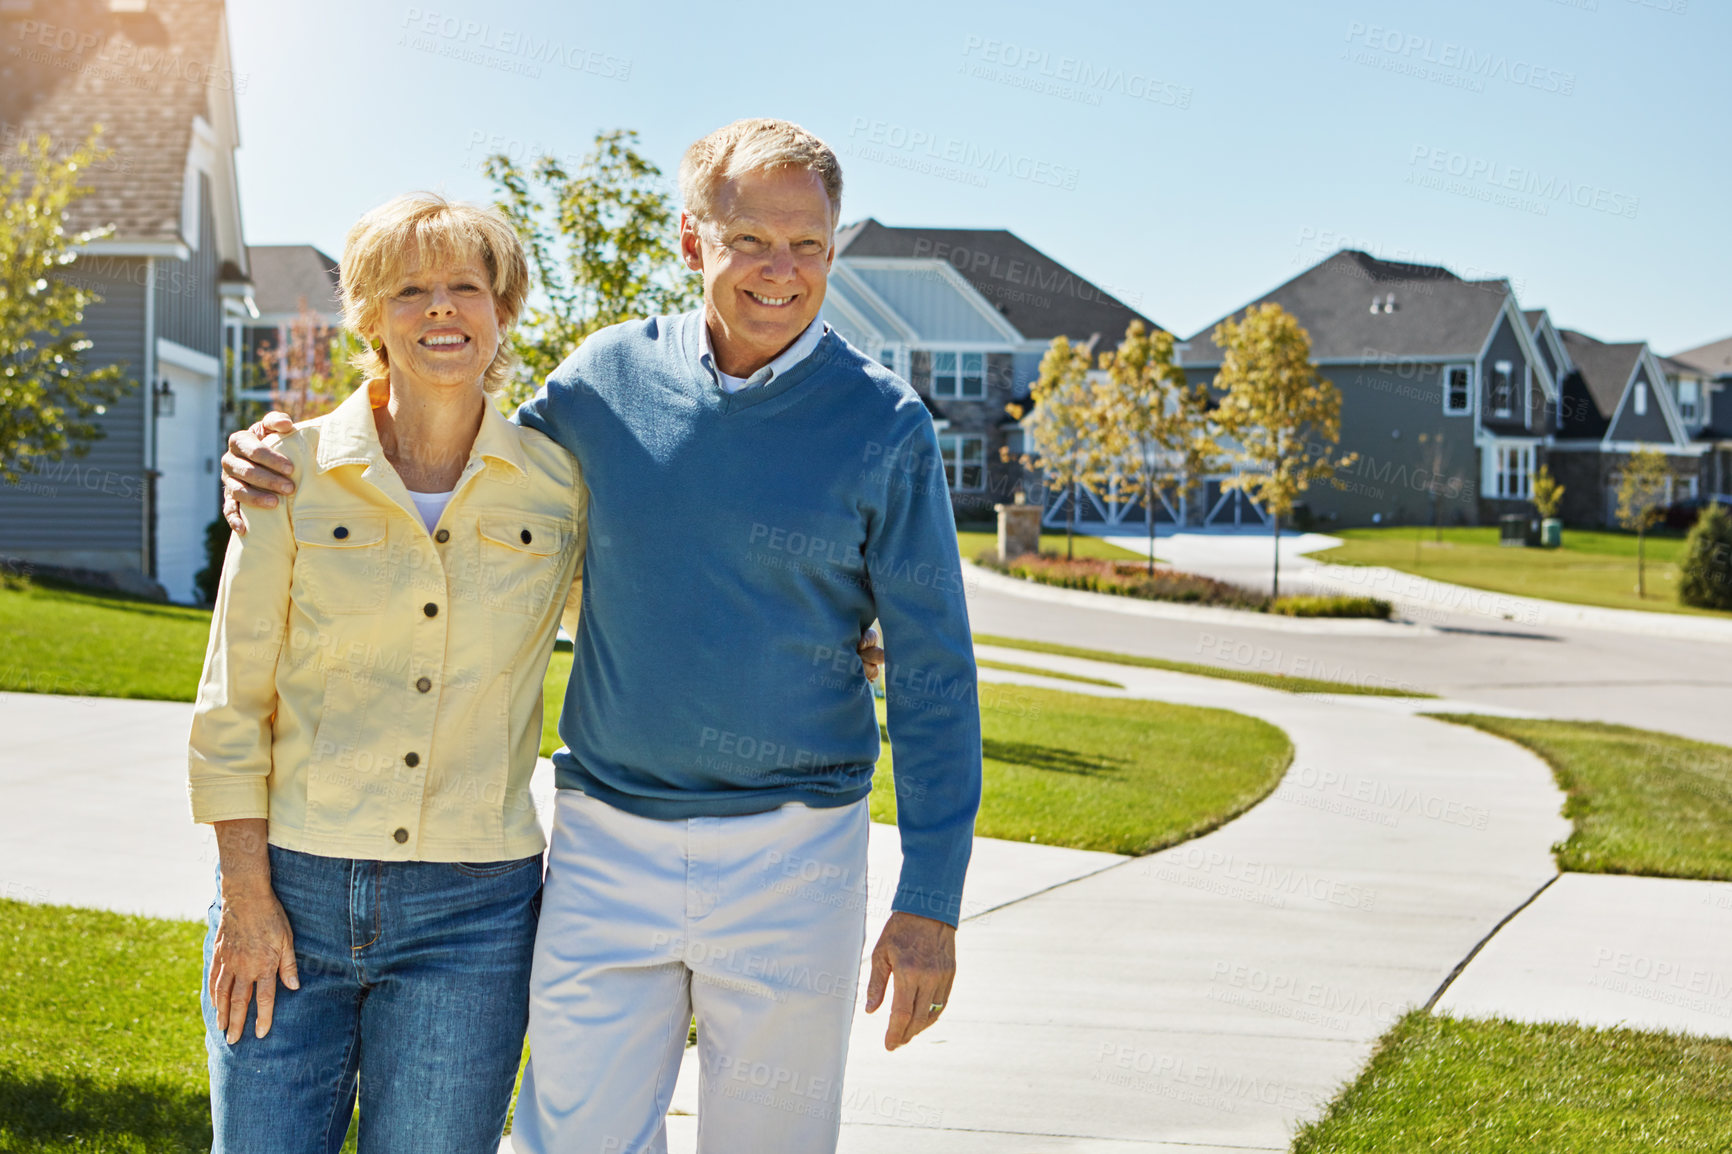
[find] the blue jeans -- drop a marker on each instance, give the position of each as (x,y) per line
(414,980)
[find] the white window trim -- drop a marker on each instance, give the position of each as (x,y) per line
(959,354)
(1467,408)
(1694,414)
(1495,458)
(1507,370)
(960,440)
(1639,402)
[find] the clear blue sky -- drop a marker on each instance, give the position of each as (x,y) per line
(1187,156)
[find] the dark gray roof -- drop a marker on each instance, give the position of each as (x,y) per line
(1533,318)
(1040,297)
(1713,358)
(142,75)
(284,275)
(1437,314)
(1591,394)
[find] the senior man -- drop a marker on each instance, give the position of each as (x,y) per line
(759,488)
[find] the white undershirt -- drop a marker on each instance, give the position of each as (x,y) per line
(802,348)
(431,506)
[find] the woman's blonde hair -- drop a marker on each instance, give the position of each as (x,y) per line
(424,230)
(755,145)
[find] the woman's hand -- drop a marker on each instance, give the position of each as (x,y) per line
(254,946)
(871,656)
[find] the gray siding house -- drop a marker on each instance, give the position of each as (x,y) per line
(1701,383)
(156,76)
(296,296)
(964,315)
(1446,396)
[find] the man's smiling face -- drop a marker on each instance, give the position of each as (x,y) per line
(765,258)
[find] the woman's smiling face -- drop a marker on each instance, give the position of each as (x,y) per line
(440,325)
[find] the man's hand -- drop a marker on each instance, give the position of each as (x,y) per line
(871,656)
(921,952)
(253,474)
(254,946)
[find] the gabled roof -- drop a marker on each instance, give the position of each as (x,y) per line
(1436,314)
(284,275)
(1040,297)
(143,75)
(1592,393)
(1713,358)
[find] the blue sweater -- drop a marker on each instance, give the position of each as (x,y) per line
(738,546)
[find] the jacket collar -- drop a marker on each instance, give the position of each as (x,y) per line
(349,436)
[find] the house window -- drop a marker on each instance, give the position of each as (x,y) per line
(1641,398)
(960,375)
(1513,469)
(1016,443)
(1689,400)
(1528,395)
(1502,389)
(887,357)
(1457,389)
(964,461)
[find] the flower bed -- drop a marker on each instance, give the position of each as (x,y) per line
(1132,579)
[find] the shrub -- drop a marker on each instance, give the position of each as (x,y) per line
(216,547)
(1705,570)
(1335,606)
(1126,579)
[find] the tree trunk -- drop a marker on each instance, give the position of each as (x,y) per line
(1641,583)
(1070,514)
(1275,585)
(1149,516)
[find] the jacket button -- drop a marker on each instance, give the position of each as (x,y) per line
(401,836)
(424,685)
(442,536)
(430,609)
(527,537)
(340,532)
(411,759)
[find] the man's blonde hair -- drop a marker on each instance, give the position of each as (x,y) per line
(424,230)
(755,145)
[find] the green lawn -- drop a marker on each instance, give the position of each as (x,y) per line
(1641,802)
(1105,773)
(973,541)
(1594,567)
(1266,680)
(1012,667)
(1441,1086)
(62,640)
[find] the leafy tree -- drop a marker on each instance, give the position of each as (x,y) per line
(1158,433)
(1065,430)
(1642,496)
(47,393)
(1285,420)
(313,369)
(1548,494)
(1705,572)
(602,246)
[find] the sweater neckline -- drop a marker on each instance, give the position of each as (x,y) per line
(729,404)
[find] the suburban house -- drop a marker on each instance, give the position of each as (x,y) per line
(156,75)
(1697,377)
(1615,399)
(1448,393)
(297,299)
(964,315)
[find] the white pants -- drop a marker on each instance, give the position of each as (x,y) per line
(756,924)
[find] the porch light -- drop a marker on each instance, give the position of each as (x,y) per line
(164,397)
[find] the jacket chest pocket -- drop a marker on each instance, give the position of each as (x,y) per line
(519,559)
(341,561)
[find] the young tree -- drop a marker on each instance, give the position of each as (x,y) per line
(1642,496)
(602,245)
(1065,430)
(1158,433)
(1285,420)
(313,369)
(1548,494)
(48,394)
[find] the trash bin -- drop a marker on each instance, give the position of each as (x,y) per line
(1551,533)
(1512,530)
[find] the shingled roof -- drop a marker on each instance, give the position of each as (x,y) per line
(287,274)
(1713,358)
(143,74)
(1591,394)
(1040,297)
(1436,314)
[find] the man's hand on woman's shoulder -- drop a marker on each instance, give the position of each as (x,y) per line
(253,472)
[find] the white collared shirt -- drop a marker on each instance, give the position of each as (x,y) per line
(787,359)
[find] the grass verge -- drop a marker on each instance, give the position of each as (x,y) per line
(1266,680)
(1641,802)
(58,639)
(1108,773)
(977,538)
(1593,567)
(1439,1085)
(1012,667)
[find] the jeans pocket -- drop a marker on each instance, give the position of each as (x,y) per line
(493,869)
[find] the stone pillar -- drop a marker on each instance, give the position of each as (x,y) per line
(1018,529)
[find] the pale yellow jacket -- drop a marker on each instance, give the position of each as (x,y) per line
(375,689)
